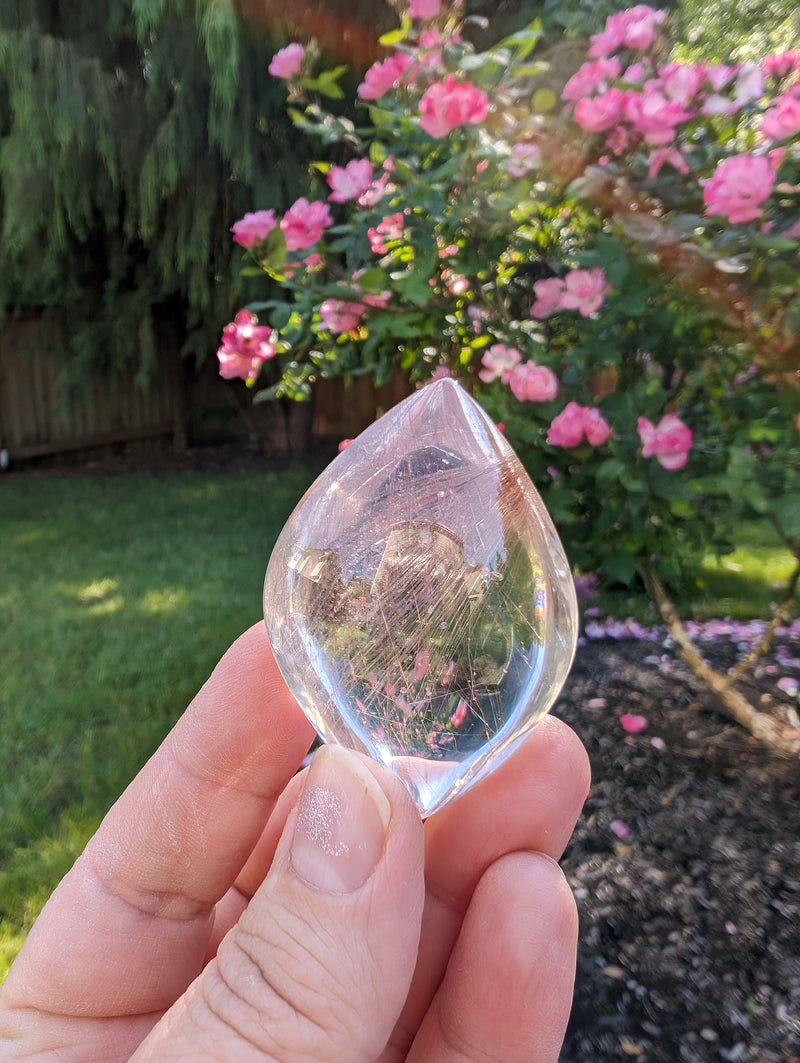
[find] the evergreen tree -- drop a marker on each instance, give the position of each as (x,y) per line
(132,133)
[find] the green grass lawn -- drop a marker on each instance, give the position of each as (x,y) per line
(117,596)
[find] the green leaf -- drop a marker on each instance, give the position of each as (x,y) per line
(389,40)
(755,497)
(786,511)
(619,566)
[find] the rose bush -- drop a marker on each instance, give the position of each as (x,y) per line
(610,263)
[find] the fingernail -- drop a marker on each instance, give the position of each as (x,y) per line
(341,822)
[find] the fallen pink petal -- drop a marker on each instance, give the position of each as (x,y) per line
(632,723)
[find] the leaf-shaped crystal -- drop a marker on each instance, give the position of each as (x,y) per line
(419,602)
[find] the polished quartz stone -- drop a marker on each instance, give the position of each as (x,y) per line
(419,603)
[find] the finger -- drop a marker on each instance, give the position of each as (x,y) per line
(134,915)
(319,964)
(507,991)
(530,802)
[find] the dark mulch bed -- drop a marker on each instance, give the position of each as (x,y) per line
(690,922)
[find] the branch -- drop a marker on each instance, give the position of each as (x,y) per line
(782,616)
(782,741)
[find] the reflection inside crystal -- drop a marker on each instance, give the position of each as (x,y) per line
(423,598)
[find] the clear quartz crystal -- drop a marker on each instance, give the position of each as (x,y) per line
(418,601)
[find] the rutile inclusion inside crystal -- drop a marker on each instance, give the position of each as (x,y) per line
(418,601)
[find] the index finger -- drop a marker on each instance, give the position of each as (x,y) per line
(131,920)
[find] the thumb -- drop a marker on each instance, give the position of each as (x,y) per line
(319,965)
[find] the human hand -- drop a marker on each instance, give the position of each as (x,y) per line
(228,909)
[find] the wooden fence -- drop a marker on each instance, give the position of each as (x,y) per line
(178,409)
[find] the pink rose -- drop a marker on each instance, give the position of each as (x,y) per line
(669,442)
(390,228)
(548,294)
(574,423)
(350,181)
(304,223)
(782,120)
(424,9)
(653,115)
(245,347)
(384,76)
(720,75)
(738,187)
(253,228)
(530,382)
(635,28)
(682,81)
(287,62)
(524,157)
(592,78)
(338,316)
(749,84)
(666,157)
(781,64)
(451,103)
(596,113)
(585,290)
(566,429)
(498,362)
(596,428)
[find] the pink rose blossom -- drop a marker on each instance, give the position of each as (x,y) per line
(287,62)
(245,347)
(337,315)
(574,423)
(592,78)
(390,228)
(350,181)
(498,362)
(654,115)
(719,75)
(619,139)
(749,85)
(524,157)
(304,223)
(548,294)
(596,428)
(636,73)
(669,442)
(566,429)
(666,157)
(424,9)
(682,81)
(596,113)
(460,713)
(451,103)
(781,65)
(375,193)
(636,28)
(344,444)
(585,290)
(384,76)
(782,120)
(738,188)
(632,723)
(530,382)
(253,228)
(422,663)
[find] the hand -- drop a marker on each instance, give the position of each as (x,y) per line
(228,909)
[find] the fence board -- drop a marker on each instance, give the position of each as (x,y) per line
(179,407)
